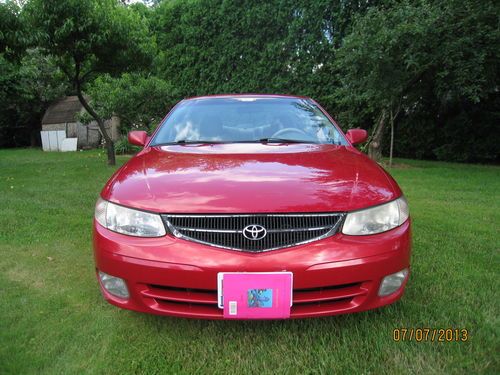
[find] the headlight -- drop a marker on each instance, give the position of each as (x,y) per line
(377,219)
(128,221)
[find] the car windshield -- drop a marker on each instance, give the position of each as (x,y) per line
(247,119)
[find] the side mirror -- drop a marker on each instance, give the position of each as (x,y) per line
(138,138)
(357,136)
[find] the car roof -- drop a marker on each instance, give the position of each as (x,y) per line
(229,96)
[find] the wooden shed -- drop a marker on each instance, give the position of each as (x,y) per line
(62,115)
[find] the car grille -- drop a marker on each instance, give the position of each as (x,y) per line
(254,233)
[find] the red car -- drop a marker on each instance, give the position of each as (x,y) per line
(263,184)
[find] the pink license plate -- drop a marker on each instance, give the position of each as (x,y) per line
(255,295)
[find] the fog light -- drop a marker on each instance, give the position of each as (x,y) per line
(114,285)
(392,283)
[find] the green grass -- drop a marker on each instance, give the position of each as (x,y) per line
(53,319)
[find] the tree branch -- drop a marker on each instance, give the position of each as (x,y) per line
(86,75)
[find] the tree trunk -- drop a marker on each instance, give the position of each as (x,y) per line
(392,139)
(375,146)
(34,137)
(35,126)
(110,147)
(394,115)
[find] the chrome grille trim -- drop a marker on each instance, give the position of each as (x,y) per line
(226,231)
(252,215)
(241,231)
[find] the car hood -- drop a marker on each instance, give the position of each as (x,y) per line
(250,178)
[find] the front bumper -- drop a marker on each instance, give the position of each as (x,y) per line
(170,276)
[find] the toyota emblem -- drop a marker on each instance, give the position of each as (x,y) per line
(254,232)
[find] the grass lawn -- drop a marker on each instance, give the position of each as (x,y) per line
(53,319)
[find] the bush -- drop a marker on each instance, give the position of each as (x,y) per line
(122,146)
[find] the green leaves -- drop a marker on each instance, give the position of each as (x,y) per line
(27,86)
(431,59)
(89,37)
(140,101)
(427,58)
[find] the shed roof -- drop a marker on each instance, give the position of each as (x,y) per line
(62,111)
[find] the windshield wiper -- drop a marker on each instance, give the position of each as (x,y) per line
(188,142)
(283,140)
(207,142)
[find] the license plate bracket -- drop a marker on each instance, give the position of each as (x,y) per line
(255,295)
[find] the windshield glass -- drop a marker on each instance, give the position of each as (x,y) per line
(247,119)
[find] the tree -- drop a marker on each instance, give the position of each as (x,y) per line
(29,81)
(380,61)
(276,46)
(87,38)
(418,70)
(10,29)
(27,87)
(140,101)
(396,56)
